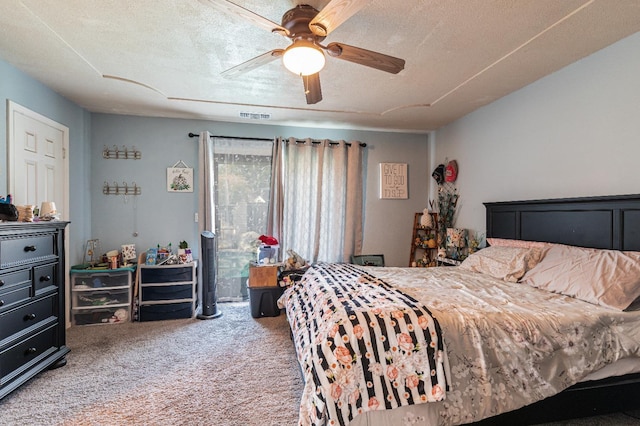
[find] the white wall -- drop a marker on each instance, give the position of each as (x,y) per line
(573,133)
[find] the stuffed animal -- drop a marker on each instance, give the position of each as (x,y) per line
(295,261)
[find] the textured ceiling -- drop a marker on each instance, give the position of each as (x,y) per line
(164,57)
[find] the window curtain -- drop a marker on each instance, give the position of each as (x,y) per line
(206,179)
(316,206)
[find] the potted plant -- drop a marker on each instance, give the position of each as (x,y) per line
(184,252)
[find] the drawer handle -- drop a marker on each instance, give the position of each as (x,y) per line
(1,302)
(1,283)
(30,317)
(30,248)
(45,278)
(30,351)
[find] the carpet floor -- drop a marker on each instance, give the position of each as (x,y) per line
(234,370)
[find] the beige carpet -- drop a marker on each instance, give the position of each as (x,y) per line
(234,370)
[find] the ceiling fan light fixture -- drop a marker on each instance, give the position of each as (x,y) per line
(303,58)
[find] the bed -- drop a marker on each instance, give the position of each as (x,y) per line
(457,345)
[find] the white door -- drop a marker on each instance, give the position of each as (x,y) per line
(38,164)
(37,159)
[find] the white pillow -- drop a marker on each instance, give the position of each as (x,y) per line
(604,277)
(504,263)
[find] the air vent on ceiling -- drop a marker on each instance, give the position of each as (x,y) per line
(255,116)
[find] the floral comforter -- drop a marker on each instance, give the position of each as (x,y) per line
(362,345)
(507,344)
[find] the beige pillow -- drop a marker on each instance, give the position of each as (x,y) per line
(504,242)
(604,277)
(505,263)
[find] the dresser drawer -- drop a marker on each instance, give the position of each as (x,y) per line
(165,311)
(44,278)
(16,295)
(103,280)
(105,315)
(14,279)
(22,353)
(166,274)
(19,319)
(22,250)
(97,298)
(166,292)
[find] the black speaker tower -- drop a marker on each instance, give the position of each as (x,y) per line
(208,259)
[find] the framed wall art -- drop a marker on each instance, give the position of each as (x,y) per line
(180,178)
(393,181)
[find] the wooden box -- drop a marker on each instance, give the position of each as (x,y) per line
(263,276)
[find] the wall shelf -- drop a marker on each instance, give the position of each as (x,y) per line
(423,250)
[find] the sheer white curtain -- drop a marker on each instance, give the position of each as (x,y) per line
(316,207)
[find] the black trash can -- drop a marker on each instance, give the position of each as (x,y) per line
(264,301)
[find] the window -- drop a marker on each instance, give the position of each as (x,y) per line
(243,178)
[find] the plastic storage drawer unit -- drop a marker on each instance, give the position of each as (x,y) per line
(101,296)
(166,292)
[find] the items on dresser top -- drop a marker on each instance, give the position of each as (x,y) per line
(32,313)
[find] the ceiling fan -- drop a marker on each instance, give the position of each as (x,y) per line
(307,28)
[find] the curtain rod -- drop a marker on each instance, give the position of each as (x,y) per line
(195,135)
(362,144)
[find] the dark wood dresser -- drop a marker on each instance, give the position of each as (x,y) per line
(32,301)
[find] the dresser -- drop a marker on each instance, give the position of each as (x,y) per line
(32,301)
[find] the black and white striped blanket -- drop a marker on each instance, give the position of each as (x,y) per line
(362,345)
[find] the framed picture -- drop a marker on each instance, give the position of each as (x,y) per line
(393,181)
(180,179)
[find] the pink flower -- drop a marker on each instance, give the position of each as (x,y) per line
(405,342)
(397,314)
(392,372)
(373,404)
(343,355)
(358,331)
(423,322)
(332,332)
(336,391)
(437,392)
(412,381)
(353,398)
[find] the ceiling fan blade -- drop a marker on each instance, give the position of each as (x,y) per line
(334,14)
(253,63)
(366,57)
(226,6)
(312,89)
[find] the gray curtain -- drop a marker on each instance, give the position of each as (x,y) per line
(206,180)
(317,198)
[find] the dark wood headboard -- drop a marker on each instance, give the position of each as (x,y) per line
(611,222)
